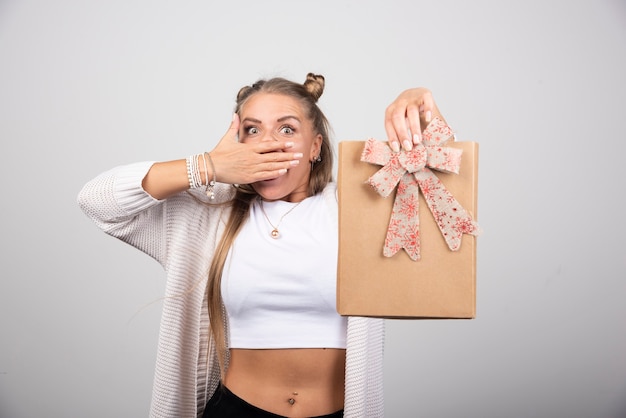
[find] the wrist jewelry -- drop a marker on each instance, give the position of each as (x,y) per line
(195,176)
(192,163)
(193,171)
(210,185)
(206,171)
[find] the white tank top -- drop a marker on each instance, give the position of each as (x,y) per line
(281,293)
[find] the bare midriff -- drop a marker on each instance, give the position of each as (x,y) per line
(304,382)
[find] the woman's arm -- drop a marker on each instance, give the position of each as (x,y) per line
(234,163)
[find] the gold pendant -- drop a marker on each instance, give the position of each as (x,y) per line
(275,234)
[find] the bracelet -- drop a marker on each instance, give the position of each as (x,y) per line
(189,162)
(195,176)
(206,171)
(193,172)
(210,185)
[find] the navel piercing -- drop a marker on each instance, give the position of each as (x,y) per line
(291,401)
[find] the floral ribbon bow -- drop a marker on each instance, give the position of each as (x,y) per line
(410,171)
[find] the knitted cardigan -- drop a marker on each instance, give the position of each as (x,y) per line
(181,233)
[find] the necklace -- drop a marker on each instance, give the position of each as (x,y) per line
(274,233)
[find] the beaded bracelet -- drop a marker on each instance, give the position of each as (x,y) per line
(189,162)
(193,172)
(195,177)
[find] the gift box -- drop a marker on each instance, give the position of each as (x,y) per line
(434,275)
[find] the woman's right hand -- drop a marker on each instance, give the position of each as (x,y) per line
(234,162)
(243,163)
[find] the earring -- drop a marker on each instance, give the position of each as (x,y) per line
(316,160)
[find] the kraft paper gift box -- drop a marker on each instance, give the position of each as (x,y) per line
(441,282)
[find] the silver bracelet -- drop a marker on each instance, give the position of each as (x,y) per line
(206,170)
(210,186)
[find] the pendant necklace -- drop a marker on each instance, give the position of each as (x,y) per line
(274,233)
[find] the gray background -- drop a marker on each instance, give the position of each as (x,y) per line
(87,85)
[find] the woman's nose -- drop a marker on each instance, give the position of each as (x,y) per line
(268,136)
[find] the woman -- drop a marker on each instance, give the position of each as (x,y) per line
(258,335)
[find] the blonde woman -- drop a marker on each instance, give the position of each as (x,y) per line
(247,235)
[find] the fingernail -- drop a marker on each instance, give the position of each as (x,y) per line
(289,145)
(294,162)
(428,116)
(407,145)
(395,147)
(416,139)
(298,155)
(282,171)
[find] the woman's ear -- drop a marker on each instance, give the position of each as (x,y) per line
(316,147)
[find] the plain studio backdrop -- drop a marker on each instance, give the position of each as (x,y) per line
(87,85)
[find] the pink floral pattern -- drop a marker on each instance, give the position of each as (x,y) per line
(411,172)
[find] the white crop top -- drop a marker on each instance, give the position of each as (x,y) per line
(281,293)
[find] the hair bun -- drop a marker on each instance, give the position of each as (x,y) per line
(314,84)
(243,92)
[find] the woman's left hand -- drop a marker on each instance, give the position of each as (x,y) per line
(408,116)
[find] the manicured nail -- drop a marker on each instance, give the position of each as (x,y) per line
(282,171)
(289,145)
(407,145)
(428,116)
(298,155)
(294,162)
(395,147)
(416,139)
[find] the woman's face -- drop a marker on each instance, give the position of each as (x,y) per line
(274,117)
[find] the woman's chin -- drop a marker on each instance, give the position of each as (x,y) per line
(290,186)
(271,189)
(274,190)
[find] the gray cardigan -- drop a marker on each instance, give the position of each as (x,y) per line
(181,233)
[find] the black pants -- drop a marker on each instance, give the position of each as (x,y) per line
(225,404)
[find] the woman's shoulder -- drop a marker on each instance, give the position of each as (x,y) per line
(330,189)
(330,196)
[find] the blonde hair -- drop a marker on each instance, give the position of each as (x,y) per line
(307,94)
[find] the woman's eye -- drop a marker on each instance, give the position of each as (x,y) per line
(286,130)
(252,130)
